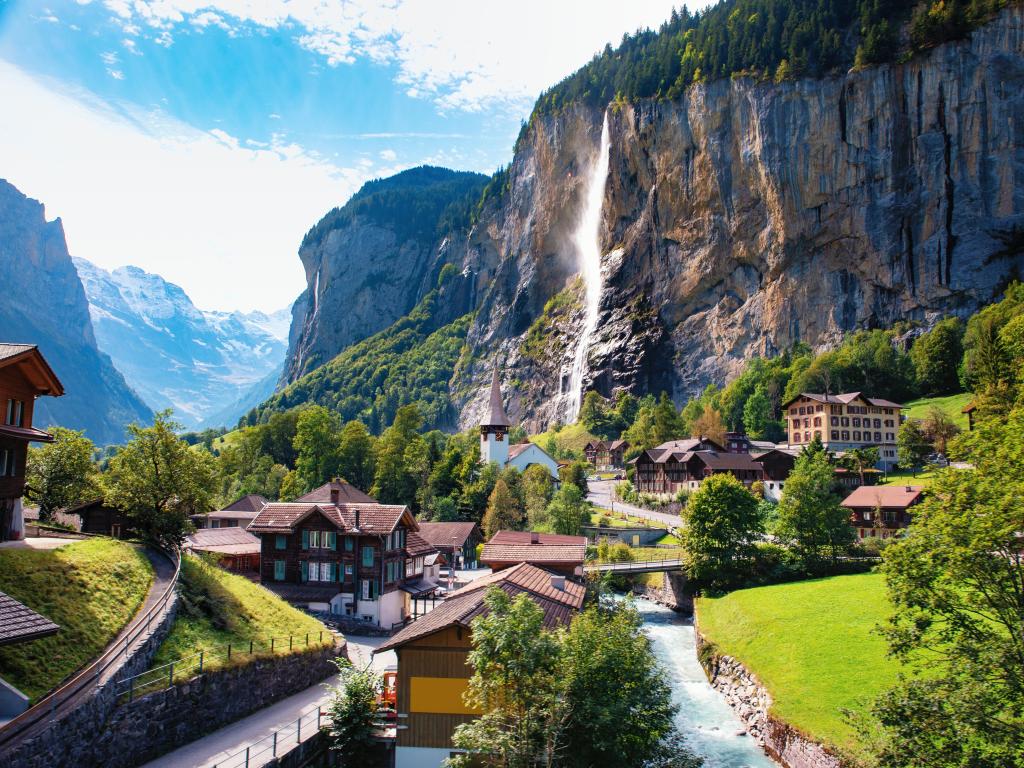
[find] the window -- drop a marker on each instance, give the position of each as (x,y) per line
(408,567)
(329,540)
(796,437)
(878,424)
(348,570)
(314,539)
(888,423)
(835,421)
(350,544)
(15,412)
(856,435)
(305,539)
(846,435)
(303,570)
(845,421)
(7,462)
(367,557)
(856,422)
(368,589)
(817,434)
(807,423)
(279,570)
(807,437)
(878,437)
(817,421)
(280,542)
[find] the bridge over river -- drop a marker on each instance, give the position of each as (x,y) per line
(638,566)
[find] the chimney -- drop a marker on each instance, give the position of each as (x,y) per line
(558,582)
(357,520)
(909,489)
(335,494)
(534,537)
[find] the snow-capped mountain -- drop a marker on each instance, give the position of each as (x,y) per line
(210,367)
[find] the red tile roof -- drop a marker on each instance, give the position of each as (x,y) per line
(250,503)
(19,623)
(347,494)
(885,496)
(416,545)
(225,541)
(447,534)
(461,607)
(520,547)
(843,399)
(374,519)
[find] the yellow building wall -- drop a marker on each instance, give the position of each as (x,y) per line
(439,695)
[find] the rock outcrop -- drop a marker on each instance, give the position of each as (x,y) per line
(44,303)
(738,219)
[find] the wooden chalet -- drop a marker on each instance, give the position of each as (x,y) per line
(881,511)
(433,667)
(236,515)
(235,548)
(606,454)
(457,540)
(362,560)
(24,376)
(658,470)
(98,517)
(19,624)
(562,554)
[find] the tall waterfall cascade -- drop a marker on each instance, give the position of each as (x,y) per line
(586,240)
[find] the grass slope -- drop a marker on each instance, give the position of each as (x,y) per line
(90,588)
(812,644)
(571,438)
(218,608)
(950,404)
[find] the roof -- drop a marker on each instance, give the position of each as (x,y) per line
(418,587)
(616,444)
(843,399)
(464,605)
(971,407)
(33,365)
(225,514)
(416,545)
(253,502)
(886,496)
(374,519)
(515,450)
(19,623)
(447,534)
(225,541)
(726,461)
(529,547)
(347,494)
(25,433)
(301,593)
(495,415)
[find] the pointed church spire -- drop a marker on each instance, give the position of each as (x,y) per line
(495,416)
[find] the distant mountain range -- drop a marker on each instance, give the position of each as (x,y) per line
(42,302)
(210,367)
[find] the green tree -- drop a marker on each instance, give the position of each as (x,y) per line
(62,473)
(667,423)
(597,418)
(861,459)
(158,481)
(810,516)
(477,492)
(515,664)
(504,510)
(618,701)
(912,444)
(392,483)
(721,527)
(316,445)
(353,715)
(757,414)
(575,474)
(356,455)
(936,356)
(939,428)
(956,582)
(710,425)
(568,511)
(537,490)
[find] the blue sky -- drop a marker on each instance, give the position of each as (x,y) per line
(200,140)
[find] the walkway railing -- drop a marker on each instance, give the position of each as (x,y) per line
(636,566)
(277,743)
(163,676)
(92,675)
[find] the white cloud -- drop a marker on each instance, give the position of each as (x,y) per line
(219,217)
(388,155)
(463,54)
(117,74)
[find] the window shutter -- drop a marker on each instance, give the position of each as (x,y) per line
(304,570)
(305,539)
(334,540)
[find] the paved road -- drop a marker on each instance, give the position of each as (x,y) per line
(219,747)
(601,495)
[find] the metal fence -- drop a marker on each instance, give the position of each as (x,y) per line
(279,742)
(92,675)
(163,676)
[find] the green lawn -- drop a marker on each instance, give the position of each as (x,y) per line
(951,404)
(812,644)
(924,477)
(572,437)
(90,588)
(218,608)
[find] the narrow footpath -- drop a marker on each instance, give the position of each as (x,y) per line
(221,746)
(602,494)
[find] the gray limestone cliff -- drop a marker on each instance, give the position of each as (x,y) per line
(44,303)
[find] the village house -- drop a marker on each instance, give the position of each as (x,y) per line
(881,511)
(235,548)
(562,554)
(606,454)
(457,541)
(364,560)
(96,516)
(18,624)
(844,422)
(24,376)
(494,439)
(236,515)
(433,668)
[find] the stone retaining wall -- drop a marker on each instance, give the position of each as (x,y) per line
(165,720)
(745,694)
(672,594)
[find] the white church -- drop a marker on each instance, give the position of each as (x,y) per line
(494,439)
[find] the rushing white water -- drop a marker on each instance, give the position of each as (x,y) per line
(711,727)
(587,242)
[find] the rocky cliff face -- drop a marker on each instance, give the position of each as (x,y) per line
(210,367)
(746,216)
(44,303)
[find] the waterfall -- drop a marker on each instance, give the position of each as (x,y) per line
(587,242)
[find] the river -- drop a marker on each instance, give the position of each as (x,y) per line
(710,725)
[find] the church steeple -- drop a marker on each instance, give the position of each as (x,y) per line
(494,426)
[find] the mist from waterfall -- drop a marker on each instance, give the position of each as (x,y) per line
(587,242)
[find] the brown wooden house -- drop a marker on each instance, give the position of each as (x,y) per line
(98,517)
(234,548)
(881,511)
(433,668)
(457,540)
(555,552)
(362,560)
(24,376)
